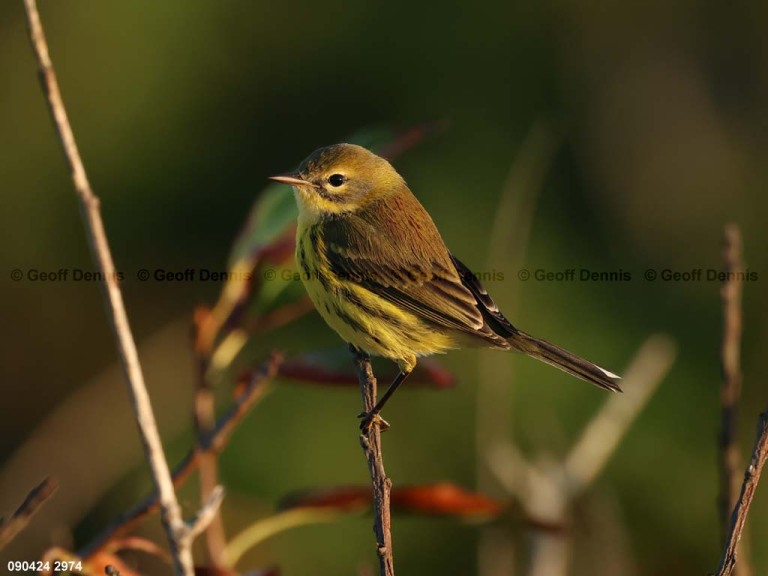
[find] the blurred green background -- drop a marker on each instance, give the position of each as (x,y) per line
(182,109)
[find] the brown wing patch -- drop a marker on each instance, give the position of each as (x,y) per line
(393,249)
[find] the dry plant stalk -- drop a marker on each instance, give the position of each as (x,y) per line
(730,390)
(178,532)
(547,489)
(733,498)
(205,423)
(370,440)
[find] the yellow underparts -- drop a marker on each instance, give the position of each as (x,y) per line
(361,317)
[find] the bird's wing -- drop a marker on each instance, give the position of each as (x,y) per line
(393,249)
(493,316)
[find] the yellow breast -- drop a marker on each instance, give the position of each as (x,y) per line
(358,315)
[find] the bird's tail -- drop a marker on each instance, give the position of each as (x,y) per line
(567,362)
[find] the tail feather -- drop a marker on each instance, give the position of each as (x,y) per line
(565,361)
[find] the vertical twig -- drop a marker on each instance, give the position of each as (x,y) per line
(179,534)
(205,422)
(730,389)
(739,516)
(734,501)
(371,443)
(208,467)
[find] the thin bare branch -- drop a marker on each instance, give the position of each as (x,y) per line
(208,511)
(730,388)
(371,443)
(23,514)
(510,468)
(748,487)
(600,437)
(547,488)
(171,511)
(214,443)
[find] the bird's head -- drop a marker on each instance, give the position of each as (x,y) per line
(340,179)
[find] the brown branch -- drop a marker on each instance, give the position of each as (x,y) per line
(371,443)
(207,464)
(748,487)
(213,443)
(176,530)
(19,520)
(730,390)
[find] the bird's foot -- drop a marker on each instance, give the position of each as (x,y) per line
(367,419)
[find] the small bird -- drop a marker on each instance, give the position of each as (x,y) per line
(379,273)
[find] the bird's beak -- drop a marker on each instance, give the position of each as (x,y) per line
(291,180)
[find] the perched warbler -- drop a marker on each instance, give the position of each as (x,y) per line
(380,275)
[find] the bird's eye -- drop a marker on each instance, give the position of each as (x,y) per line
(336,180)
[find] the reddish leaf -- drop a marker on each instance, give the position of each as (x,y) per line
(343,498)
(334,367)
(444,499)
(433,373)
(281,249)
(311,372)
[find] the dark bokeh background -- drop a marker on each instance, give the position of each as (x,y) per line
(181,110)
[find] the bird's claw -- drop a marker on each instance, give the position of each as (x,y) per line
(370,418)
